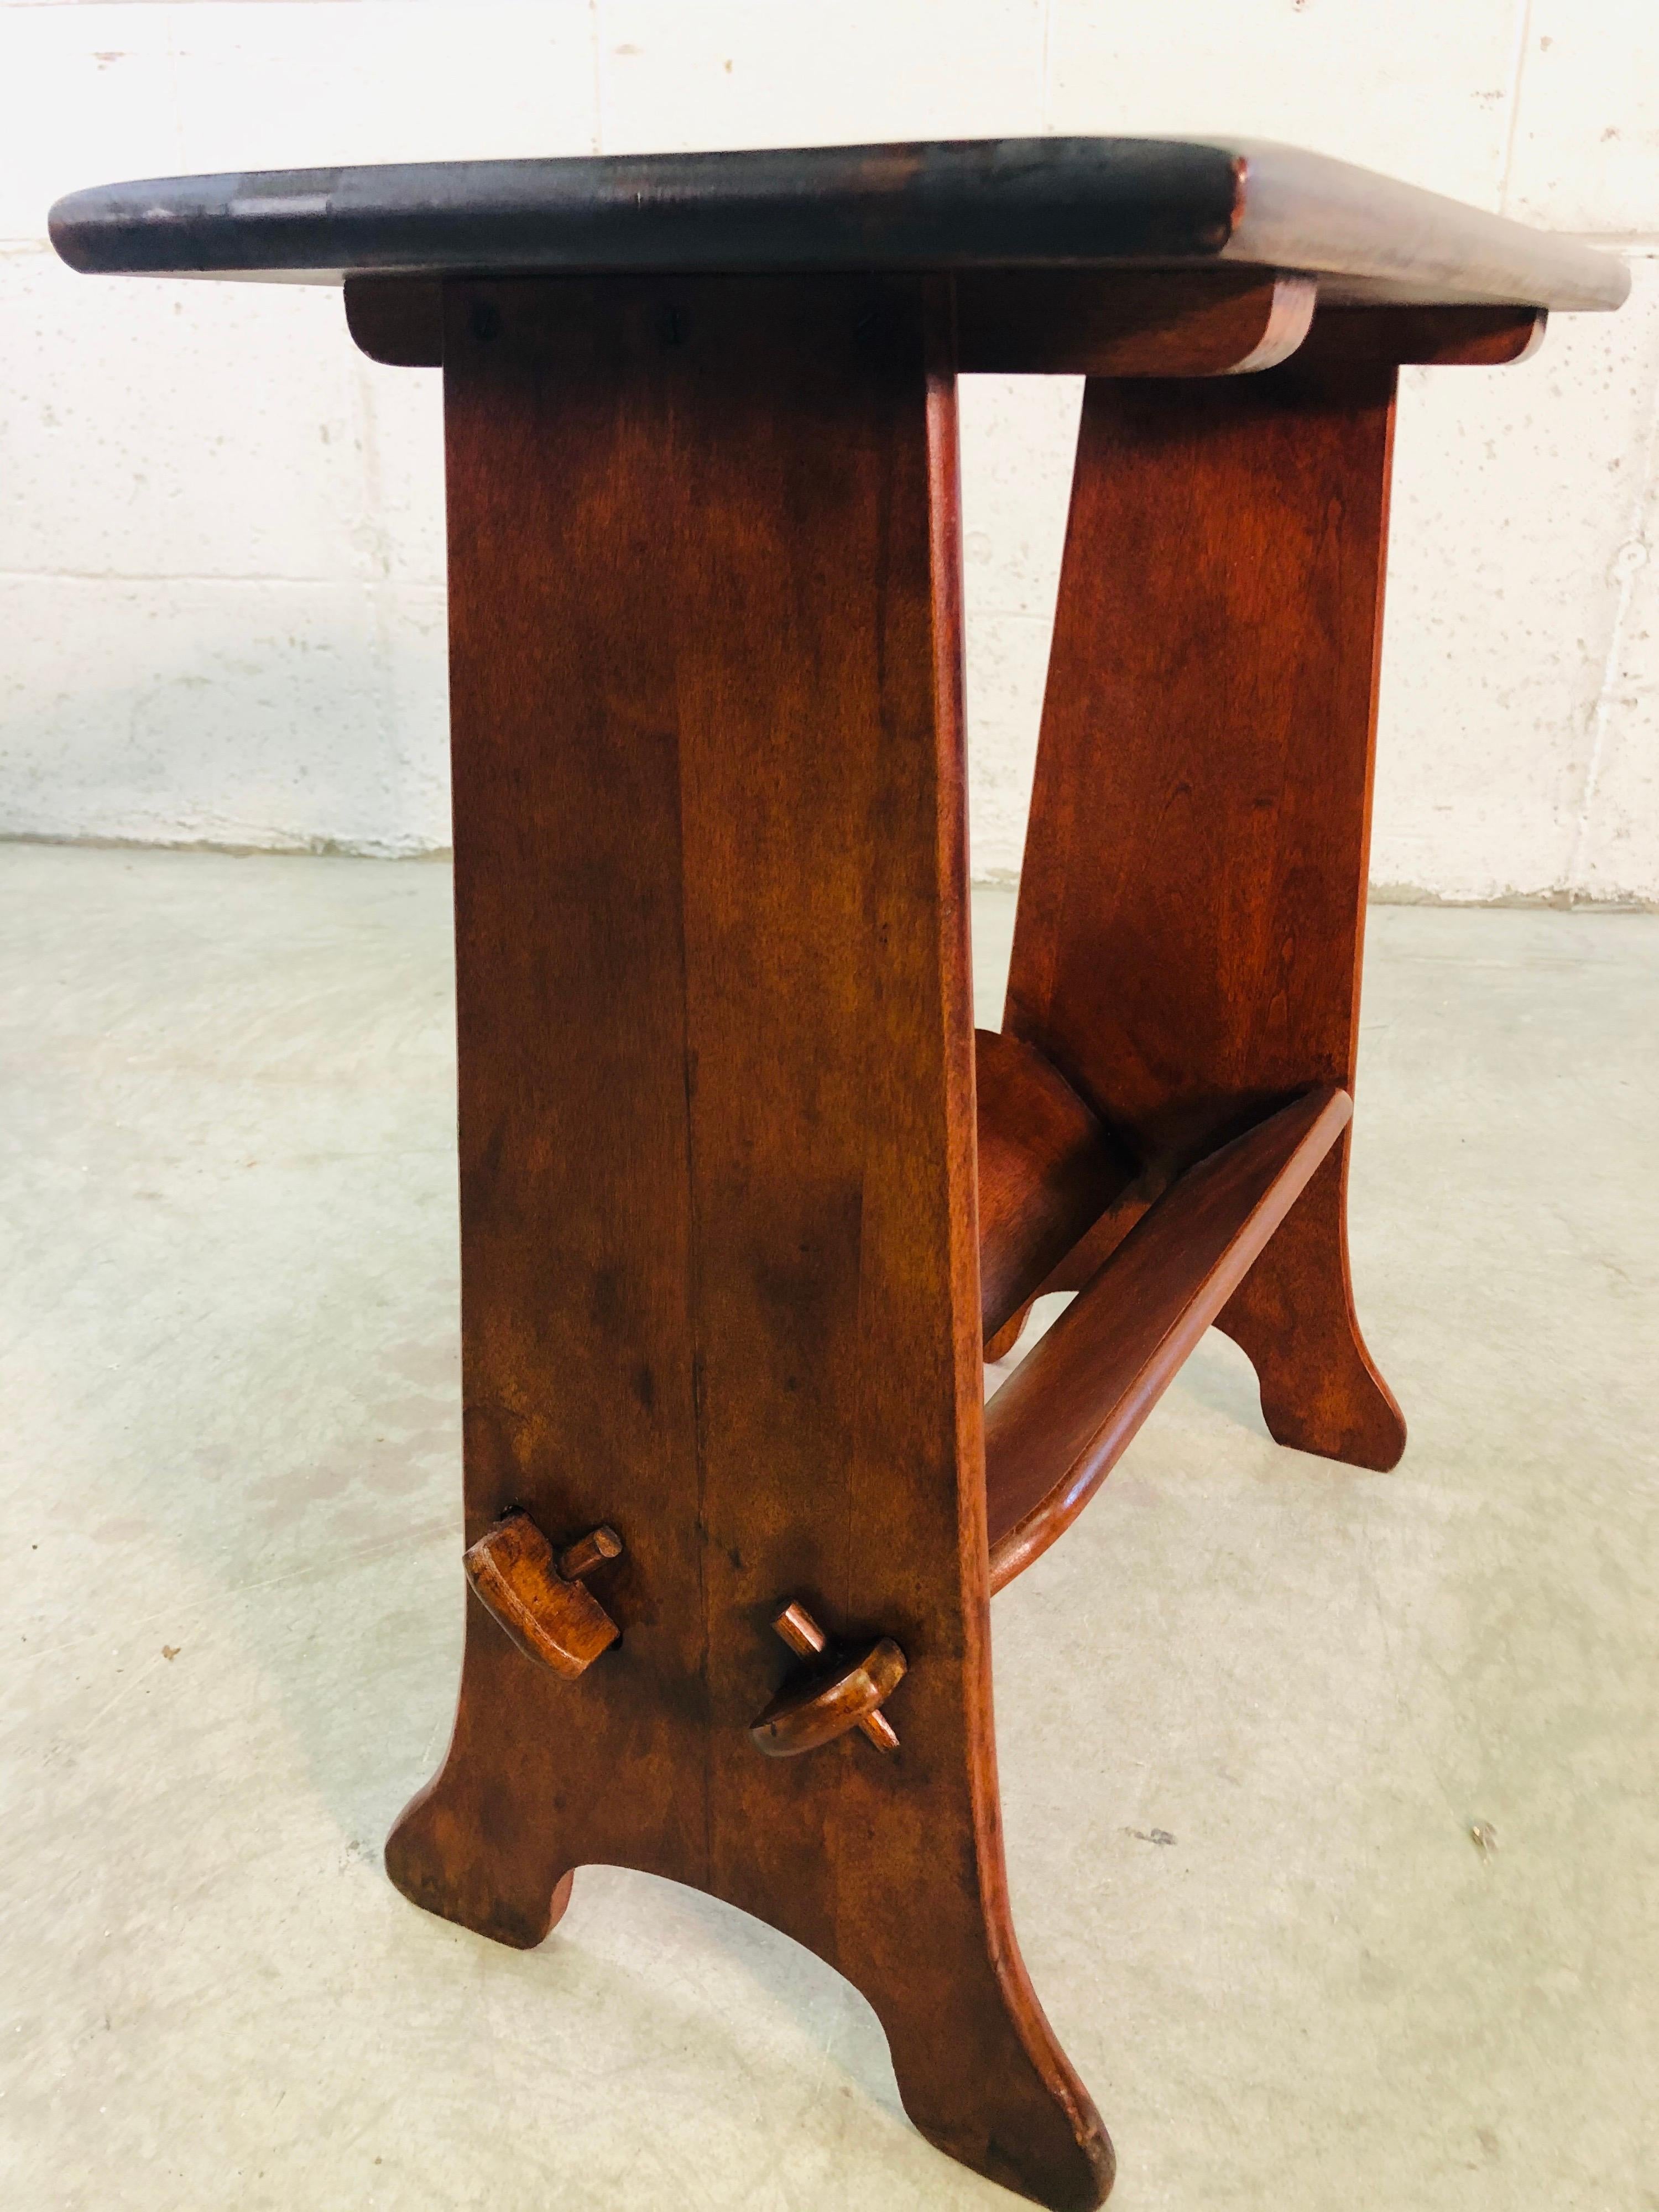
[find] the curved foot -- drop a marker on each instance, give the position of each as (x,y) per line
(427,1858)
(461,1848)
(980,2070)
(987,2084)
(1293,1316)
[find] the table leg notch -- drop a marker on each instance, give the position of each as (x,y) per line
(1057,1427)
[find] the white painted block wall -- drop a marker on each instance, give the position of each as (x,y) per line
(220,542)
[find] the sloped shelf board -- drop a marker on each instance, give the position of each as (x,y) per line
(1064,1416)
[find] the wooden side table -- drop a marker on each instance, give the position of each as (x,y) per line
(742,1194)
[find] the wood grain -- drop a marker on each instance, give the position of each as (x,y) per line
(1001,1341)
(398,320)
(1092,322)
(1115,322)
(1442,337)
(589,1553)
(1064,1416)
(805,1714)
(1187,943)
(950,204)
(1047,1170)
(719,1240)
(533,1601)
(807,1640)
(1045,321)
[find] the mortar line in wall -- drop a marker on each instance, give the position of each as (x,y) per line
(995,879)
(187,576)
(311,849)
(1601,712)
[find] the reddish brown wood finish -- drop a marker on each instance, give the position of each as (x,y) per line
(1047,1170)
(1187,950)
(823,1704)
(807,1640)
(1059,1425)
(1115,322)
(719,1247)
(590,1552)
(1096,322)
(398,320)
(536,1599)
(1002,1341)
(1085,1259)
(1446,337)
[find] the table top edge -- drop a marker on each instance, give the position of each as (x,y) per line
(947,205)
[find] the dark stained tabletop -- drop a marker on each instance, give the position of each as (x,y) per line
(948,205)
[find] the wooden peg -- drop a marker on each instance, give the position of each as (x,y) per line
(537,1598)
(875,1725)
(590,1551)
(820,1709)
(799,1631)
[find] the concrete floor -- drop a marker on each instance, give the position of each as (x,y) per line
(1251,1713)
